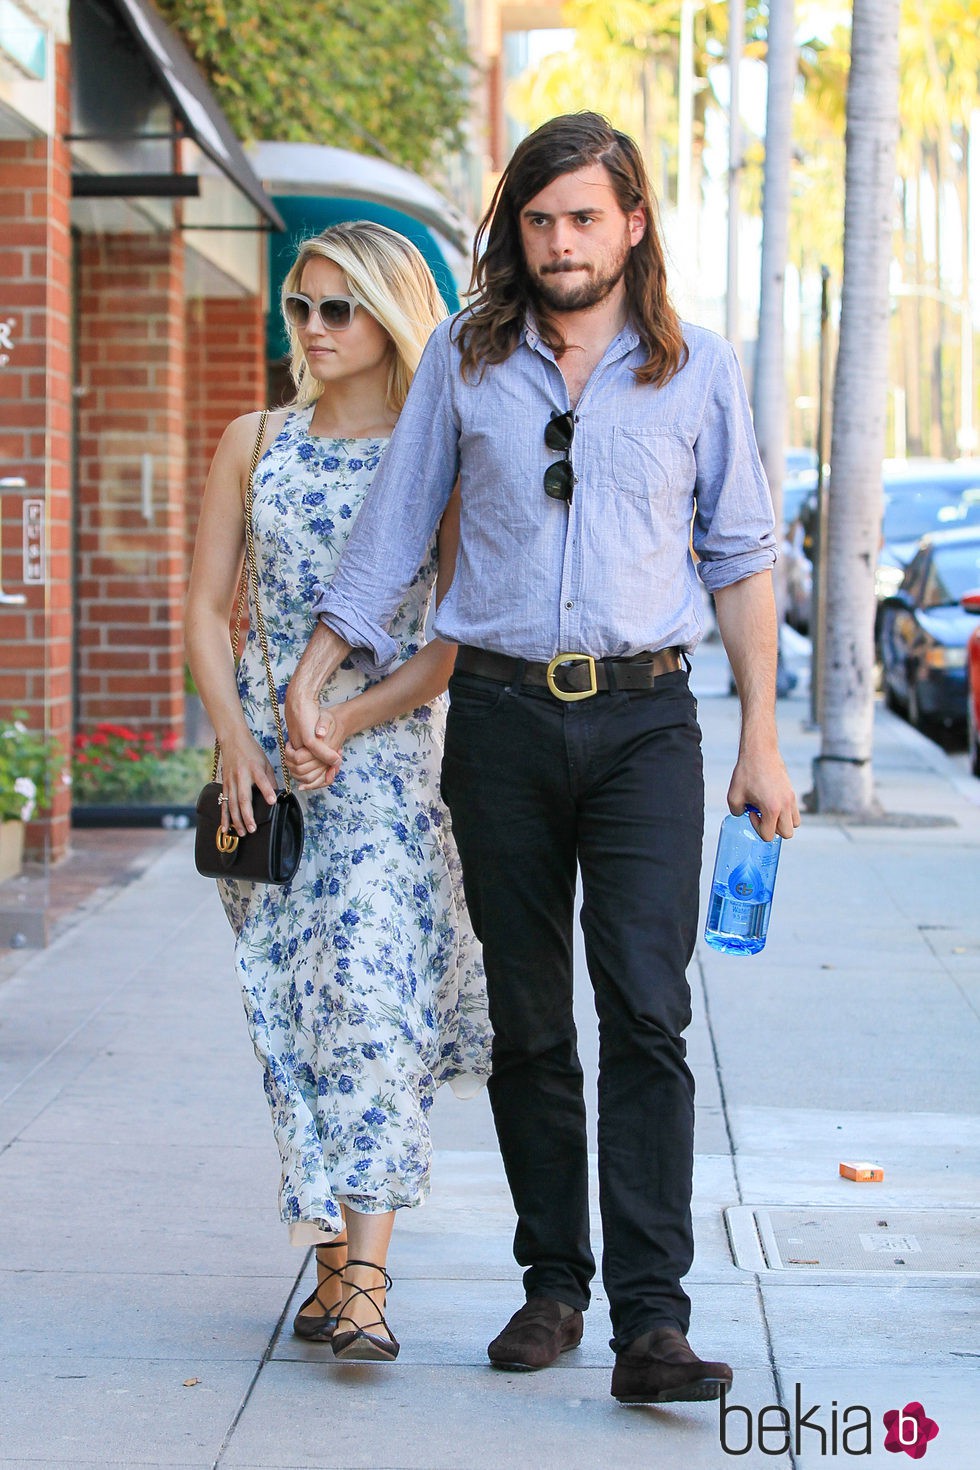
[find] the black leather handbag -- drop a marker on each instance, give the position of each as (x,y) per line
(272,852)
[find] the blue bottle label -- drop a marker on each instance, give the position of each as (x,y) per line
(746,883)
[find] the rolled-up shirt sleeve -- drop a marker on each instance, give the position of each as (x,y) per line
(394,526)
(733,533)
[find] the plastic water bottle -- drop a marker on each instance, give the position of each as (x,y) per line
(741,887)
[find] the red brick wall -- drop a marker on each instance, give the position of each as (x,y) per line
(226,376)
(35,435)
(131,572)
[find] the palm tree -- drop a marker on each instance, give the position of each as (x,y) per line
(842,770)
(769,387)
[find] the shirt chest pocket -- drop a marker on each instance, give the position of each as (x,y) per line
(652,465)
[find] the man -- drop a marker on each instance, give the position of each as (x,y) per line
(593,438)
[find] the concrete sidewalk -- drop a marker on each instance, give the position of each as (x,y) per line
(147,1286)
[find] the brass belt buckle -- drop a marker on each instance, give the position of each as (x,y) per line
(570,658)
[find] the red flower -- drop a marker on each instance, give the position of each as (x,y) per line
(120,731)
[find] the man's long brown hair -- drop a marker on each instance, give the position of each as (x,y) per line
(500,288)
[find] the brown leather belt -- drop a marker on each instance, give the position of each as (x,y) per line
(570,676)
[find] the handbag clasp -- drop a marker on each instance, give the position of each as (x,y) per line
(225,841)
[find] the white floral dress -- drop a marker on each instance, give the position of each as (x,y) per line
(363,984)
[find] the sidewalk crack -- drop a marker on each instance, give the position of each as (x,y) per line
(760,1298)
(265,1358)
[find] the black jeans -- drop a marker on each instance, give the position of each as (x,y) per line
(612,784)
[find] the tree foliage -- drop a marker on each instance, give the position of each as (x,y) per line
(378,78)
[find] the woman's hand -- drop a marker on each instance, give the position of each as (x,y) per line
(243,765)
(310,772)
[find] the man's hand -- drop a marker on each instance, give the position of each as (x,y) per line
(324,653)
(760,779)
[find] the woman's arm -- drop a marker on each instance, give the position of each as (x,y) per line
(218,554)
(415,682)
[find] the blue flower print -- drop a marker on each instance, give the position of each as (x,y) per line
(361,978)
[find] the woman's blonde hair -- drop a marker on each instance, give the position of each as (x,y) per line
(387,275)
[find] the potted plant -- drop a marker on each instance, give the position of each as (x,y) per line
(28,764)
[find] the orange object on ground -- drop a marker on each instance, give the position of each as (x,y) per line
(863,1173)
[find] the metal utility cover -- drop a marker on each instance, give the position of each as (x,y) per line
(848,1240)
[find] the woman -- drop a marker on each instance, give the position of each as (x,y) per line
(362,980)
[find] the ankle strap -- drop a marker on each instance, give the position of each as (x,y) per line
(386,1281)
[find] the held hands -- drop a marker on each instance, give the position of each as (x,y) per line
(760,779)
(315,764)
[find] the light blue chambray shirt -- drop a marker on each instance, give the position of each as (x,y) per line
(611,574)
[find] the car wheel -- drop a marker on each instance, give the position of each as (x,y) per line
(916,717)
(892,700)
(972,733)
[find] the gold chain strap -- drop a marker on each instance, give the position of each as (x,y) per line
(250,569)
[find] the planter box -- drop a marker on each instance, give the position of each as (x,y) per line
(11,849)
(173,816)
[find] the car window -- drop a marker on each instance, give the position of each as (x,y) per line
(954,571)
(913,512)
(913,574)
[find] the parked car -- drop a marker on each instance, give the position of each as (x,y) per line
(920,496)
(924,630)
(796,489)
(800,461)
(971,604)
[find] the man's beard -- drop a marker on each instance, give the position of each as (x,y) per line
(583,294)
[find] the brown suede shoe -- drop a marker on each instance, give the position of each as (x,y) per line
(536,1336)
(660,1367)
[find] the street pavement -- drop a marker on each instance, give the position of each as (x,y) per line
(147,1285)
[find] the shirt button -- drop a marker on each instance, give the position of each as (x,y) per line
(569,604)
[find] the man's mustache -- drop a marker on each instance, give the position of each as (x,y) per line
(561,266)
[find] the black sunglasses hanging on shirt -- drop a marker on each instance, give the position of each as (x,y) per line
(559,478)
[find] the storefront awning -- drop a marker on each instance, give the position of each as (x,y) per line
(191,99)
